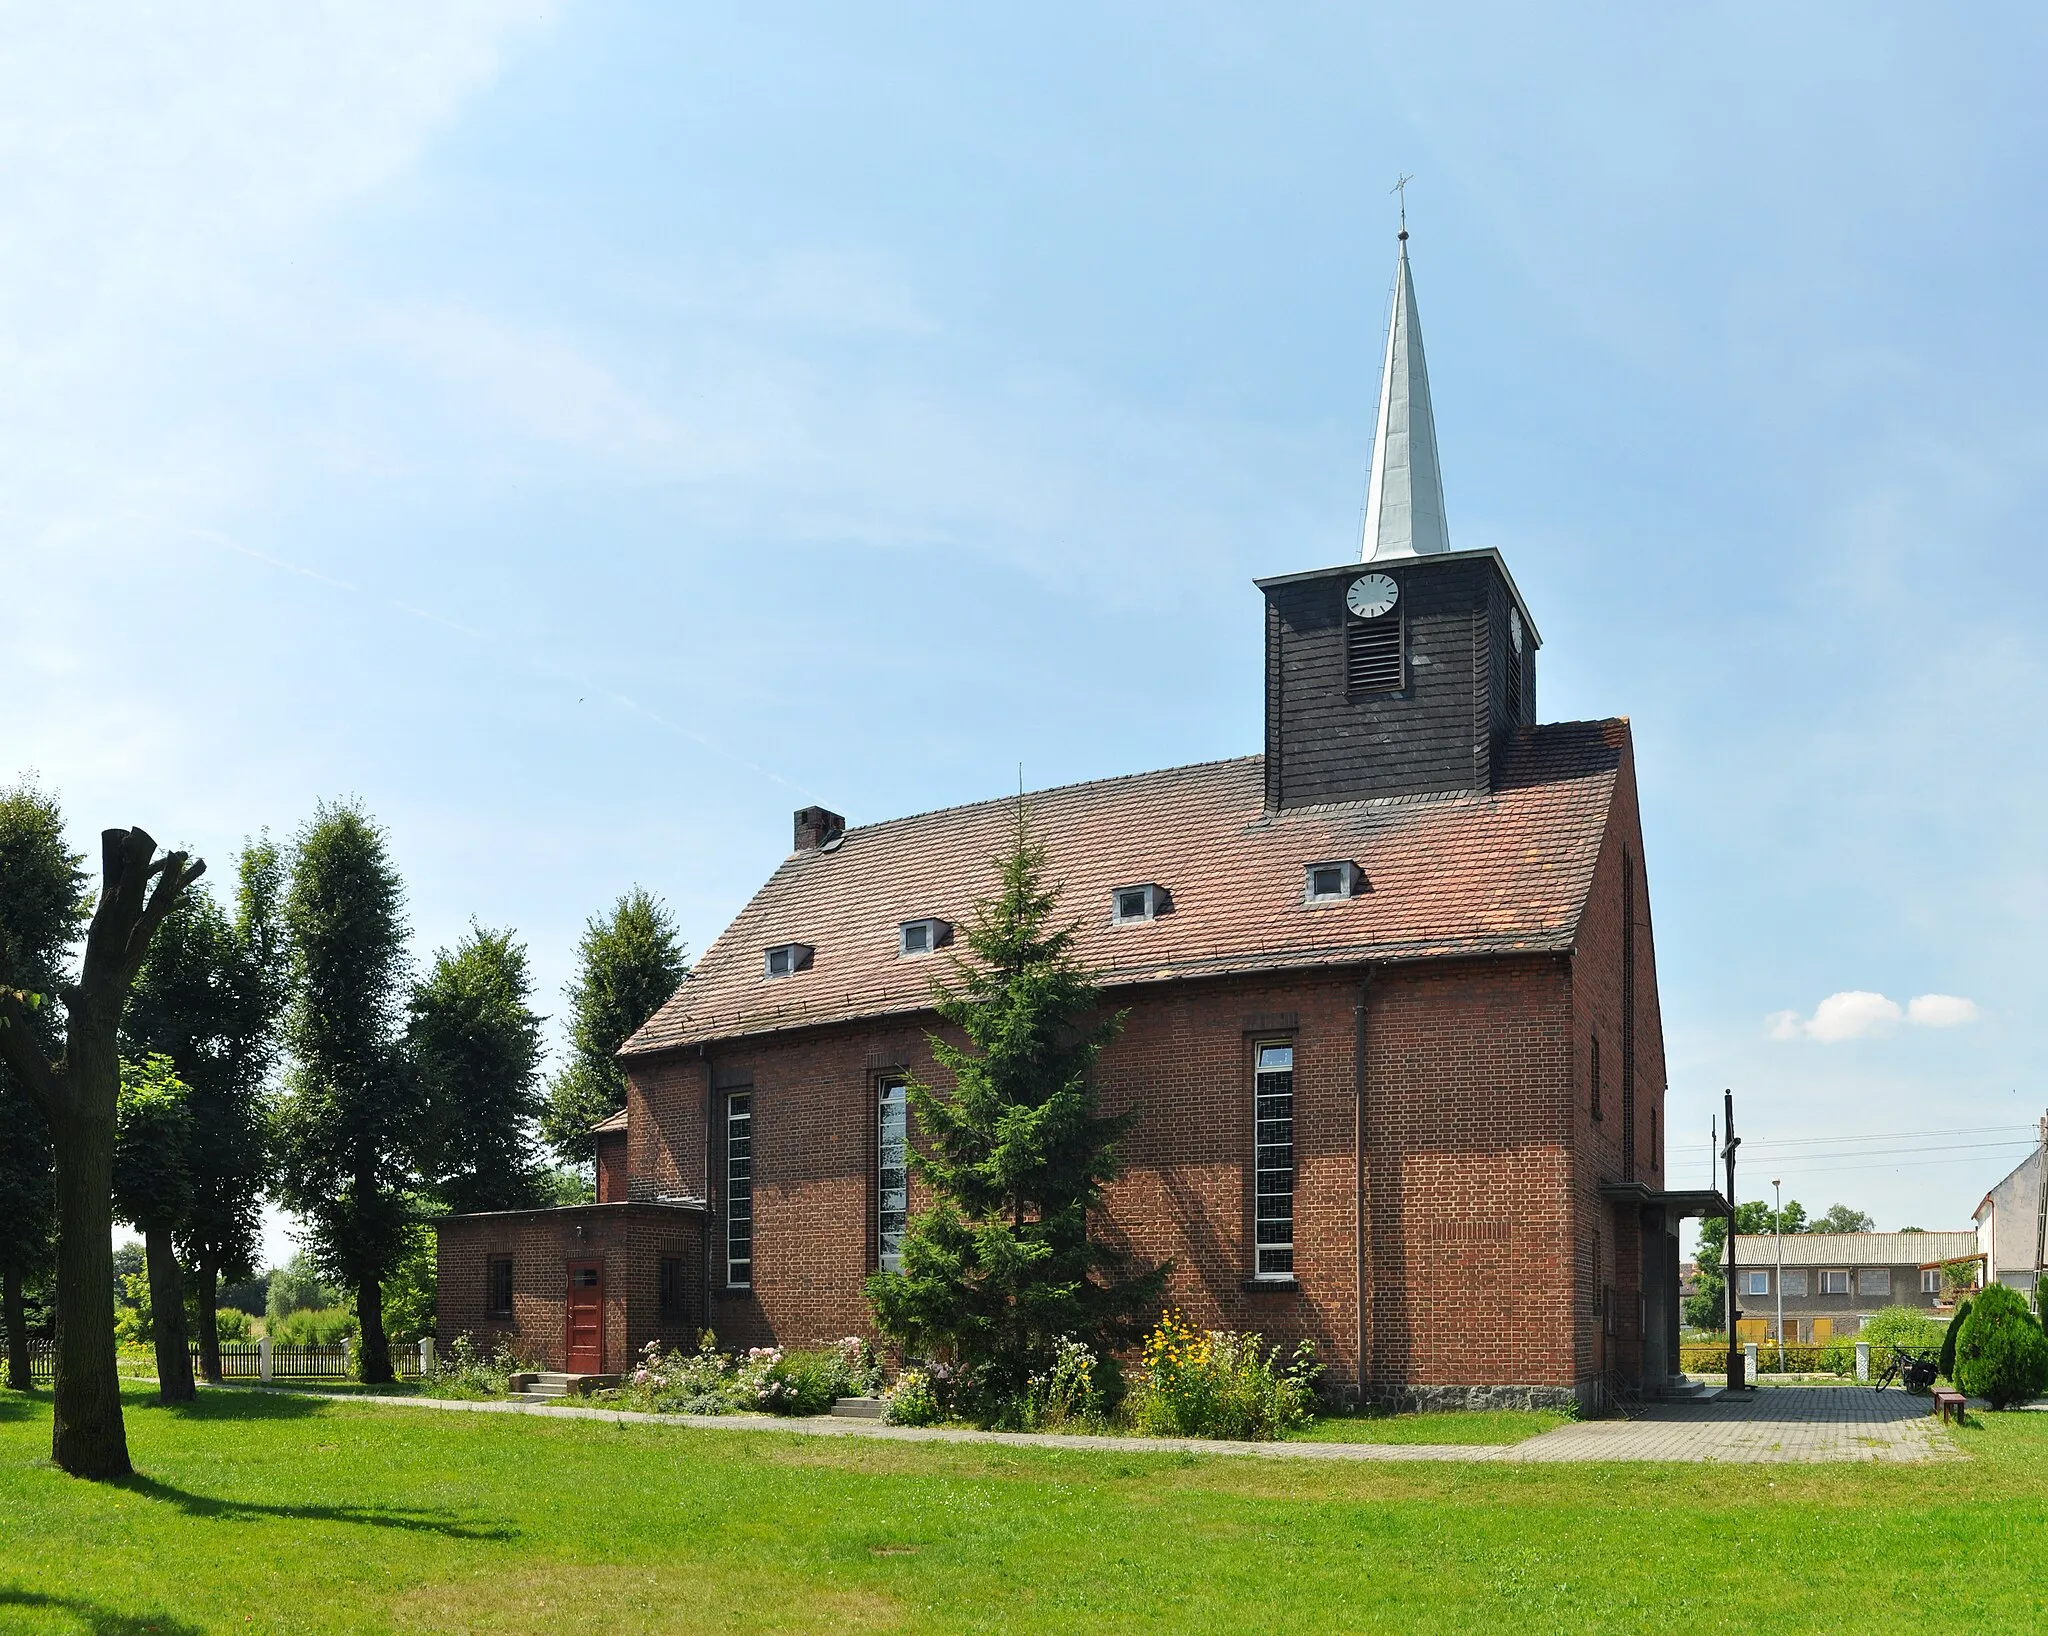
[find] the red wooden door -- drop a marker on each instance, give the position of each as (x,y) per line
(586,1317)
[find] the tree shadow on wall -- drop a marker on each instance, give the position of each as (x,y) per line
(95,1619)
(410,1519)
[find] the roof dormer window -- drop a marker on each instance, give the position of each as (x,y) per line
(1330,881)
(1146,901)
(915,937)
(785,959)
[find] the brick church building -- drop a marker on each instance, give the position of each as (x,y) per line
(1393,1023)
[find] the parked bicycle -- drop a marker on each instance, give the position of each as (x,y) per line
(1911,1368)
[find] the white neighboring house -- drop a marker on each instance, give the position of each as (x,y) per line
(2009,1226)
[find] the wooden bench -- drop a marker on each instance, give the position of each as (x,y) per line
(1946,1400)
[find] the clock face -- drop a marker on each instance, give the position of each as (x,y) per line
(1372,595)
(1515,627)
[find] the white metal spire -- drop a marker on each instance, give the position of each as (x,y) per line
(1404,507)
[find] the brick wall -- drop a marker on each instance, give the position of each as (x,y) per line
(1599,1228)
(1470,1175)
(630,1240)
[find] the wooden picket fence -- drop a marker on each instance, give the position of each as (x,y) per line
(243,1360)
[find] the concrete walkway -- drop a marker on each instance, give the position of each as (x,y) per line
(1772,1424)
(1804,1425)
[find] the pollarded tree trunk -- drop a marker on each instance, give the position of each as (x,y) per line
(19,1374)
(167,1318)
(206,1294)
(79,1096)
(87,1438)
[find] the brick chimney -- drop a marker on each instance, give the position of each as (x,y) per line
(816,828)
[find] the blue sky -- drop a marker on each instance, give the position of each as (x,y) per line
(585,433)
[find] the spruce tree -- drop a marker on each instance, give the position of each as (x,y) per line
(1003,1262)
(348,1126)
(627,965)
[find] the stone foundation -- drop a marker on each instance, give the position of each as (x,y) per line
(1437,1399)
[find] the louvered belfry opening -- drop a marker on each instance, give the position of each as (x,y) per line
(1514,699)
(1372,654)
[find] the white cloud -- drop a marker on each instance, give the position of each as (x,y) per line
(1941,1010)
(1857,1013)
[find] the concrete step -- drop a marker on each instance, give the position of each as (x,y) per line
(858,1408)
(548,1383)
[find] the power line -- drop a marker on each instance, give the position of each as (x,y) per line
(1887,1136)
(1881,1152)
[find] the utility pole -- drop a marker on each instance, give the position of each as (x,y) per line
(1778,1211)
(1735,1380)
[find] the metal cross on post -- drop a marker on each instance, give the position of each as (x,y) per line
(1401,187)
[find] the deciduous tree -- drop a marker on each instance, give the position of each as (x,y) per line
(153,1193)
(78,1092)
(42,910)
(628,964)
(348,1124)
(476,1049)
(210,997)
(1003,1263)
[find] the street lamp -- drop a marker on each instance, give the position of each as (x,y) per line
(1778,1214)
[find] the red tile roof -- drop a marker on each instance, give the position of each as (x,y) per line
(1447,876)
(612,1122)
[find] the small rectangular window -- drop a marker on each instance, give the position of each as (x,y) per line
(1146,902)
(1372,654)
(498,1287)
(739,1189)
(1793,1281)
(1759,1284)
(1593,1073)
(1874,1281)
(1834,1281)
(923,936)
(1930,1280)
(892,1172)
(670,1289)
(1330,881)
(1273,1161)
(785,959)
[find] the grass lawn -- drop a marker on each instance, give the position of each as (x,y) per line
(285,1512)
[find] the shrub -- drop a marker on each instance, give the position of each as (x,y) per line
(1948,1341)
(462,1371)
(1063,1393)
(230,1324)
(323,1326)
(1901,1326)
(2001,1354)
(709,1381)
(1220,1384)
(912,1400)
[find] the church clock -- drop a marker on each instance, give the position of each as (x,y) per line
(1372,595)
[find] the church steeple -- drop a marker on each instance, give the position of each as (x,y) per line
(1404,507)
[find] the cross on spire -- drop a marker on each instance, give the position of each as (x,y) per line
(1401,187)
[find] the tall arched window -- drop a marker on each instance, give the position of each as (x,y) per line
(1593,1073)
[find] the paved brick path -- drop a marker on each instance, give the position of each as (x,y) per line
(1775,1424)
(1808,1423)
